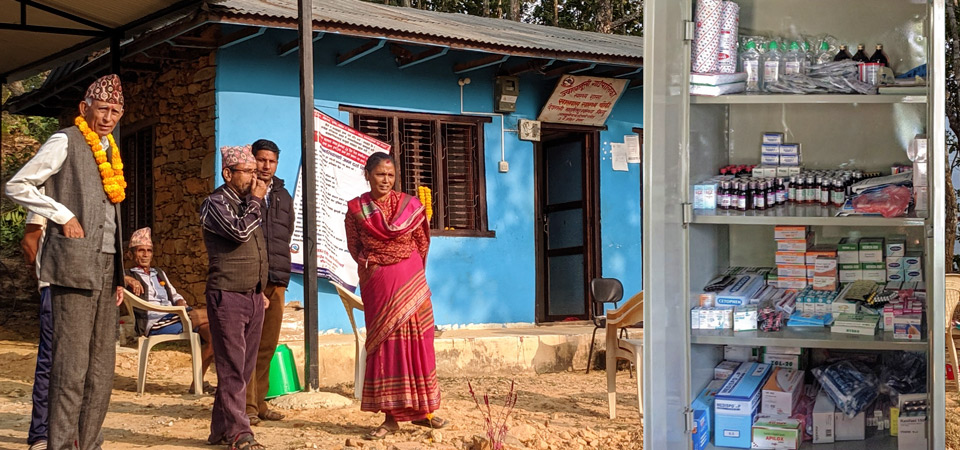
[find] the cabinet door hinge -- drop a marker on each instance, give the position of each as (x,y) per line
(689,27)
(687,213)
(688,420)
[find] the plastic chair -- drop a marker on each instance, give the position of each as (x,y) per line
(630,349)
(145,343)
(952,298)
(603,290)
(351,302)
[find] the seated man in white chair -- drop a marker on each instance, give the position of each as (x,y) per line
(152,285)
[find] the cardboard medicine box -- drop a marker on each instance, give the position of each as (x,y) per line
(848,251)
(772,138)
(782,360)
(874,272)
(791,258)
(789,232)
(871,250)
(724,370)
(849,429)
(705,195)
(736,405)
(781,392)
(896,247)
(790,149)
(701,430)
(776,433)
(703,404)
(823,419)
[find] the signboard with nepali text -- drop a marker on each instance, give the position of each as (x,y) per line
(341,153)
(582,100)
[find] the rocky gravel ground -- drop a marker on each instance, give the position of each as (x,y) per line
(553,411)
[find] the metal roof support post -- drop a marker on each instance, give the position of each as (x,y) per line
(311,370)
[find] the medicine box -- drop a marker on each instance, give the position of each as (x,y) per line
(789,232)
(740,353)
(770,149)
(896,247)
(790,149)
(919,174)
(783,350)
(907,326)
(921,198)
(912,260)
(915,276)
(825,283)
(772,138)
(871,250)
(792,282)
(874,272)
(704,401)
(745,318)
(701,430)
(793,171)
(705,195)
(769,171)
(782,360)
(724,370)
(791,271)
(795,245)
(825,266)
(845,307)
(790,160)
(823,419)
(741,290)
(740,394)
(848,274)
(771,160)
(783,171)
(849,429)
(781,391)
(911,432)
(848,251)
(770,432)
(820,251)
(792,258)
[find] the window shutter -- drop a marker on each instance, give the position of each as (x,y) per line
(136,151)
(374,126)
(461,200)
(416,155)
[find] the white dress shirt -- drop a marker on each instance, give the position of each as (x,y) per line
(23,188)
(34,219)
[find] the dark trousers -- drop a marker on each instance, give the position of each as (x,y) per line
(236,319)
(41,376)
(259,383)
(84,357)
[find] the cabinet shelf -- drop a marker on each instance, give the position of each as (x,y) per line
(810,337)
(747,99)
(876,440)
(813,215)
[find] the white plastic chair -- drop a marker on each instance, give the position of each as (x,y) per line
(145,343)
(630,349)
(353,302)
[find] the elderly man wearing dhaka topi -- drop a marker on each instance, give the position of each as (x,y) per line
(81,174)
(237,275)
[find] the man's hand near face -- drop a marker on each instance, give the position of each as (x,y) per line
(258,189)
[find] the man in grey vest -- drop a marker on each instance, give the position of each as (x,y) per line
(80,170)
(236,278)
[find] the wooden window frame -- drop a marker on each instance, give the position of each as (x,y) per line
(132,169)
(438,121)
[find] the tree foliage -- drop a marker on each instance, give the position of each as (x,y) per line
(953,118)
(605,16)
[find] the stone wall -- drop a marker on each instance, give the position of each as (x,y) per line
(179,102)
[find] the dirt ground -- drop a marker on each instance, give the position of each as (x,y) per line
(554,411)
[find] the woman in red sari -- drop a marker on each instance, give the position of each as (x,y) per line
(388,235)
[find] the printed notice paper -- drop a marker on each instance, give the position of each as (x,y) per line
(632,142)
(341,153)
(618,153)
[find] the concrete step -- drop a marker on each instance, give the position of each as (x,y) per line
(470,351)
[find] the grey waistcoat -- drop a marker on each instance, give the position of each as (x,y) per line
(235,267)
(75,263)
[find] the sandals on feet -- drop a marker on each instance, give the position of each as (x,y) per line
(378,433)
(435,423)
(247,442)
(254,419)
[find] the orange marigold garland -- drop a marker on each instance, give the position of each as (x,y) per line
(111,174)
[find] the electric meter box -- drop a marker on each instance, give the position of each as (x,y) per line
(505,93)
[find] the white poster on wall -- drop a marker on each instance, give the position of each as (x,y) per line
(341,152)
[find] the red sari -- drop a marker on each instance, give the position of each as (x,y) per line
(389,239)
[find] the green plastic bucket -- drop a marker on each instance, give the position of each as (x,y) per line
(283,373)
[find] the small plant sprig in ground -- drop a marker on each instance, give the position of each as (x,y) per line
(496,426)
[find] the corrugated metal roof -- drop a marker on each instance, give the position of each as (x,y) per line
(23,48)
(473,32)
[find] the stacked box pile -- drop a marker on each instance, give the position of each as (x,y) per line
(737,404)
(793,272)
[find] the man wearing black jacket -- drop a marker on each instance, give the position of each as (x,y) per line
(277,226)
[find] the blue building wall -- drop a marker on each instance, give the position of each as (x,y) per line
(474,280)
